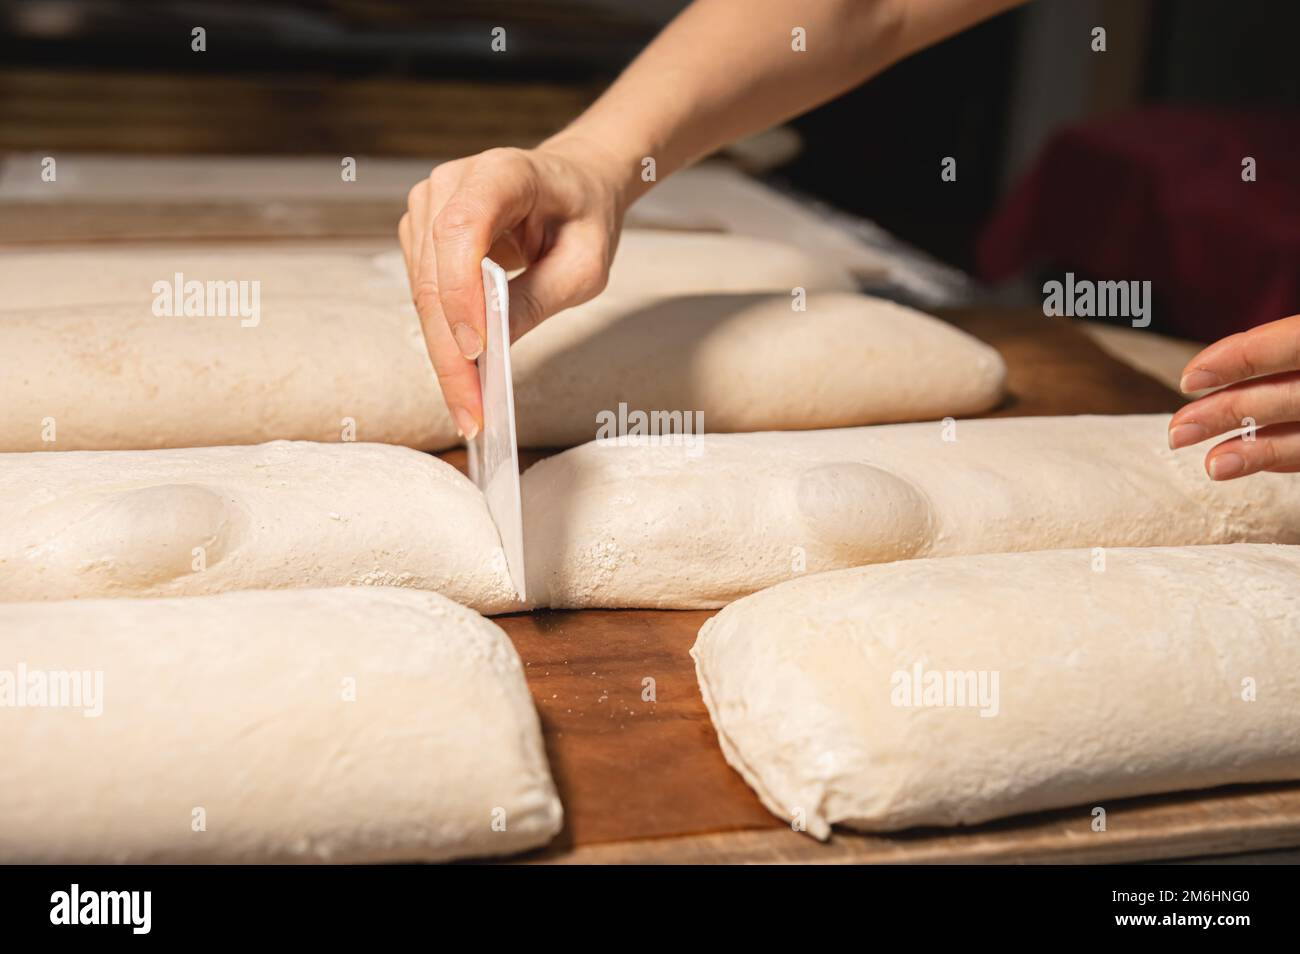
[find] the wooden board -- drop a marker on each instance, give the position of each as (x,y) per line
(1228,821)
(645,782)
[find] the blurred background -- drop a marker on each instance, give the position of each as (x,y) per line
(1125,163)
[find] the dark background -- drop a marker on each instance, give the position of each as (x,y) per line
(275,74)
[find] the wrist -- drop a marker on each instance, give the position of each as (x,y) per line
(618,174)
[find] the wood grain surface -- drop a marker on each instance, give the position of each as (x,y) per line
(1235,820)
(1053,368)
(60,111)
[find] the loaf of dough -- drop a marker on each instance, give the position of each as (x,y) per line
(321,368)
(747,363)
(306,726)
(952,691)
(704,523)
(210,519)
(693,525)
(656,262)
(334,350)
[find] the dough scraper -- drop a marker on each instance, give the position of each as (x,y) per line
(494,452)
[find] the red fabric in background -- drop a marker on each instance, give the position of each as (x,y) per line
(1157,195)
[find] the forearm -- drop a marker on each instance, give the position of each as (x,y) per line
(727,68)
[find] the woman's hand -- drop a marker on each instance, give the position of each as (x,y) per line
(554,211)
(557,209)
(1259,371)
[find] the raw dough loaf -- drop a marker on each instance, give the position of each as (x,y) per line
(115,377)
(238,705)
(701,525)
(285,514)
(337,349)
(653,262)
(1110,684)
(747,363)
(611,526)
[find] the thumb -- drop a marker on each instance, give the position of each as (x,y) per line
(574,270)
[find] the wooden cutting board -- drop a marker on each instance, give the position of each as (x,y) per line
(645,781)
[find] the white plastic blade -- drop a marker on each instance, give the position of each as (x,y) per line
(494,453)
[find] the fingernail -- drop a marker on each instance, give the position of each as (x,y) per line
(1185,434)
(1198,380)
(465,422)
(467,340)
(1226,465)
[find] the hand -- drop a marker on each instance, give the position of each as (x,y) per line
(1261,368)
(554,211)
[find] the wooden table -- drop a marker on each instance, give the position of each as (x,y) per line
(646,782)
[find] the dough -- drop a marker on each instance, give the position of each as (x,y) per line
(671,527)
(689,526)
(335,352)
(306,726)
(698,526)
(650,262)
(206,520)
(113,376)
(1112,683)
(748,363)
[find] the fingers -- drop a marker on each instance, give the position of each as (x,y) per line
(573,271)
(416,227)
(1266,349)
(457,376)
(1275,449)
(497,204)
(1265,401)
(493,197)
(404,238)
(1259,371)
